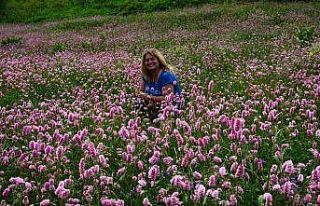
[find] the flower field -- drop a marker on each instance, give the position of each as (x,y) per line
(248,133)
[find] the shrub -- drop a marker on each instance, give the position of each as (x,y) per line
(315,49)
(59,47)
(11,40)
(305,34)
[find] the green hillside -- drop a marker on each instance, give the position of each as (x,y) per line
(41,10)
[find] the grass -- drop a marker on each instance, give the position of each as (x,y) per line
(10,40)
(53,10)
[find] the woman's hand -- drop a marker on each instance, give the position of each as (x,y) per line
(144,96)
(147,98)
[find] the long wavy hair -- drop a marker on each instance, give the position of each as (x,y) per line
(162,62)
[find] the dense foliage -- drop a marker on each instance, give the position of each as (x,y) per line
(248,133)
(35,10)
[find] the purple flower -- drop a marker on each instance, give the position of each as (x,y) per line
(197,175)
(45,202)
(268,199)
(168,160)
(287,167)
(17,180)
(222,171)
(240,171)
(153,172)
(212,181)
(213,193)
(146,202)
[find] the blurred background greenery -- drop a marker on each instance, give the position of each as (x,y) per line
(13,11)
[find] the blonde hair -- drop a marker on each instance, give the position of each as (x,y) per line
(162,62)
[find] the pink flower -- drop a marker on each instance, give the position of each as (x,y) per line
(287,167)
(6,192)
(155,157)
(106,180)
(300,178)
(82,167)
(222,171)
(106,202)
(100,131)
(199,192)
(226,184)
(278,155)
(240,171)
(167,160)
(121,171)
(62,193)
(25,200)
(130,148)
(307,198)
(124,132)
(210,85)
(274,168)
(153,172)
(217,160)
(197,175)
(268,199)
(142,183)
(103,161)
(146,202)
(276,188)
(287,187)
(140,165)
(173,200)
(176,180)
(213,193)
(45,202)
(212,181)
(237,124)
(16,180)
(233,199)
(59,152)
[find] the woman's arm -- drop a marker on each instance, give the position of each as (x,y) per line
(141,86)
(166,90)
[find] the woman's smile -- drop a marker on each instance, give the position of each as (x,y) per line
(151,62)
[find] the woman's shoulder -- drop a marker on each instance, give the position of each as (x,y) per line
(166,73)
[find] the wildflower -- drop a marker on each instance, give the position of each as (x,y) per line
(153,172)
(222,171)
(199,192)
(268,199)
(212,181)
(197,175)
(213,193)
(287,167)
(146,202)
(140,165)
(45,202)
(240,170)
(17,180)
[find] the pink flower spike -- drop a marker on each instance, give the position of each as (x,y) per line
(268,199)
(222,171)
(45,202)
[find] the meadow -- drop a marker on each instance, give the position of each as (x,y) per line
(248,133)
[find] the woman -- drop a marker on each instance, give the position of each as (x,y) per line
(157,79)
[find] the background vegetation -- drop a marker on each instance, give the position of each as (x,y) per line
(41,10)
(35,10)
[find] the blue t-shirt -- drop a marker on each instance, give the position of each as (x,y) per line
(155,88)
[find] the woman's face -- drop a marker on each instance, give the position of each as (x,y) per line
(151,62)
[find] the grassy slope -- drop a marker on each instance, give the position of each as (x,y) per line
(36,11)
